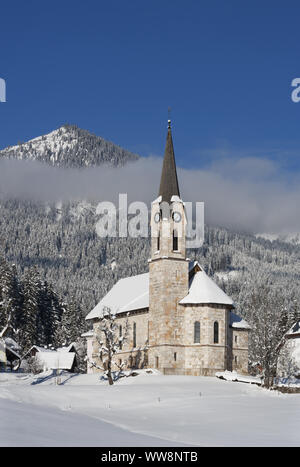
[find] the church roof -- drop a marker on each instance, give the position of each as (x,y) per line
(202,289)
(169,181)
(132,293)
(238,322)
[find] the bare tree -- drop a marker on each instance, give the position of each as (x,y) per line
(110,342)
(33,365)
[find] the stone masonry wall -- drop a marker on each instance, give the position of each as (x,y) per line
(239,350)
(181,355)
(134,356)
(168,285)
(206,357)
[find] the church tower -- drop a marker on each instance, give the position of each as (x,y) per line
(168,270)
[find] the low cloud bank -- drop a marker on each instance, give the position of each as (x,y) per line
(252,194)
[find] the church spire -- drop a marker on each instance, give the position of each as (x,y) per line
(169,182)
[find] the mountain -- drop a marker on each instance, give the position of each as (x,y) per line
(70,146)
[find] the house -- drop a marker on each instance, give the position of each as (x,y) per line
(3,359)
(63,358)
(289,359)
(9,354)
(181,322)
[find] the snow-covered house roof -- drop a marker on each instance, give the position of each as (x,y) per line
(202,289)
(12,349)
(12,343)
(294,331)
(38,349)
(132,293)
(60,359)
(69,348)
(2,352)
(56,360)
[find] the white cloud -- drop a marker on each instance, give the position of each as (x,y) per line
(248,193)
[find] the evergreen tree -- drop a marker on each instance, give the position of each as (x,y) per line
(9,300)
(31,288)
(72,324)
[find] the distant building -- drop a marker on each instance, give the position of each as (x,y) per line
(9,354)
(3,359)
(181,322)
(289,360)
(63,358)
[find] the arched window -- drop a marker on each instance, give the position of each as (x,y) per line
(175,240)
(158,241)
(134,334)
(197,332)
(216,332)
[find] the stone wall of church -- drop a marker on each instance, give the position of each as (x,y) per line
(207,356)
(170,359)
(181,355)
(239,350)
(133,355)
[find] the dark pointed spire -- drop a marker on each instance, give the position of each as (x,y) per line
(169,182)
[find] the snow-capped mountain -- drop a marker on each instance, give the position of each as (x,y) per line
(70,146)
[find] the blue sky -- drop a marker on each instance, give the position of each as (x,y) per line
(224,67)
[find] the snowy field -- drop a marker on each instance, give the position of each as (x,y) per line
(146,410)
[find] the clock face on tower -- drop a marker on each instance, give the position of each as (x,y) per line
(176,216)
(157,217)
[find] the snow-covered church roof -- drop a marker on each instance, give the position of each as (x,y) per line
(202,289)
(238,322)
(132,293)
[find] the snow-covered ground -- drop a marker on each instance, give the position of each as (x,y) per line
(146,410)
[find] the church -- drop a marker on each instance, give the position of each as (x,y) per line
(180,321)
